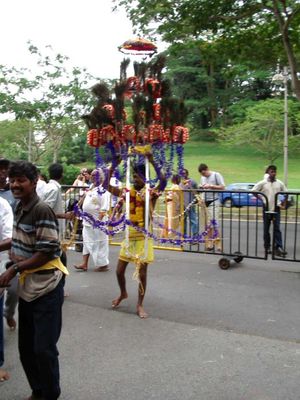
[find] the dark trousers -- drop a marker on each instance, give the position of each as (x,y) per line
(1,332)
(39,330)
(268,218)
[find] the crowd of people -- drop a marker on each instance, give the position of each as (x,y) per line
(34,264)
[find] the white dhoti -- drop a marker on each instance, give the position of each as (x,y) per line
(95,243)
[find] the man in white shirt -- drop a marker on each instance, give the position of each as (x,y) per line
(53,197)
(6,225)
(11,299)
(270,187)
(210,181)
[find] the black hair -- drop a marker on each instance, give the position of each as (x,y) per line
(4,162)
(202,167)
(176,179)
(273,167)
(55,171)
(23,168)
(139,169)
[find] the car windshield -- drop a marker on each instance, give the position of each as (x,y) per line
(240,186)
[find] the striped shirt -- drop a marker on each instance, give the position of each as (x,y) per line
(35,230)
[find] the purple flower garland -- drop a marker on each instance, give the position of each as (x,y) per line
(112,227)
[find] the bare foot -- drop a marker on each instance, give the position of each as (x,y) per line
(141,312)
(115,303)
(102,269)
(4,376)
(81,267)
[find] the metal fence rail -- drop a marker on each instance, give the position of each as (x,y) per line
(235,232)
(203,221)
(289,225)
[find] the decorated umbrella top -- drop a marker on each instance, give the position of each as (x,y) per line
(138,46)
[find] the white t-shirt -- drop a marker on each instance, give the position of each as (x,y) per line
(40,187)
(6,227)
(270,189)
(215,178)
(53,197)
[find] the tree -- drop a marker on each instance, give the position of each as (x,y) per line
(51,100)
(209,84)
(262,128)
(236,22)
(14,139)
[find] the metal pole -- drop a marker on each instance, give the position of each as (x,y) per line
(147,204)
(285,141)
(29,142)
(127,202)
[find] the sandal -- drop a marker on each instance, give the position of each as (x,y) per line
(80,268)
(102,269)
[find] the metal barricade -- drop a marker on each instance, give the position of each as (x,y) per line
(288,210)
(230,224)
(225,223)
(73,230)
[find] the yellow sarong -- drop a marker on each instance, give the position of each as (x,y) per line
(135,251)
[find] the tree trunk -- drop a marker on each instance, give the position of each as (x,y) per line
(284,26)
(213,112)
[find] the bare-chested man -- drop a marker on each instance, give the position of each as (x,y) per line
(133,250)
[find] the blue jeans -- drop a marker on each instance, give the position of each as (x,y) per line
(39,330)
(268,218)
(191,222)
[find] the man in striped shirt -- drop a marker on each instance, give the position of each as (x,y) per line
(35,251)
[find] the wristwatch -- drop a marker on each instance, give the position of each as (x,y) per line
(16,268)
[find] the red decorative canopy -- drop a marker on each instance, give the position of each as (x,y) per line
(138,46)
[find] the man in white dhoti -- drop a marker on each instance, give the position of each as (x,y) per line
(96,204)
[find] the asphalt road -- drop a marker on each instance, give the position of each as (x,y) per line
(211,334)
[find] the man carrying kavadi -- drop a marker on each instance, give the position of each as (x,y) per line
(137,247)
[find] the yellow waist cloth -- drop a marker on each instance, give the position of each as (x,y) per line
(55,263)
(134,251)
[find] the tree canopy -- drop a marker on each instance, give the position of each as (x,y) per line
(49,100)
(261,128)
(250,29)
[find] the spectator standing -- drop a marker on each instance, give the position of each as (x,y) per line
(210,181)
(34,252)
(52,196)
(270,186)
(6,225)
(5,191)
(96,203)
(173,209)
(189,187)
(41,184)
(11,296)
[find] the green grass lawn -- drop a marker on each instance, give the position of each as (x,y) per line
(236,165)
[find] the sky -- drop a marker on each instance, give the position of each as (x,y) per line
(87,31)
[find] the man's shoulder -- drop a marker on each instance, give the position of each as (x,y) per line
(41,207)
(52,184)
(263,182)
(4,204)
